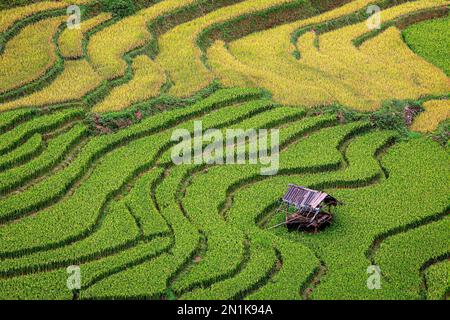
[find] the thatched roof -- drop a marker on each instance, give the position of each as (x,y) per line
(302,197)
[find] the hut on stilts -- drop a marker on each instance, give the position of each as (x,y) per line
(306,209)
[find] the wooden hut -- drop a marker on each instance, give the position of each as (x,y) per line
(307,209)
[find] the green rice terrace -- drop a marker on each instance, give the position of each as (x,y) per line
(88,181)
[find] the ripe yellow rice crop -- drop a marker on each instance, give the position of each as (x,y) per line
(435,112)
(381,70)
(412,75)
(146,83)
(266,55)
(11,16)
(353,77)
(107,47)
(277,40)
(77,79)
(180,56)
(28,55)
(232,72)
(71,40)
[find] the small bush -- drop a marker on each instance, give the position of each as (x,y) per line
(119,8)
(396,115)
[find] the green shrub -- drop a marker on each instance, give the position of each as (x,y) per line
(119,8)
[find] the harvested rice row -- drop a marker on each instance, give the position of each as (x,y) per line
(29,55)
(77,79)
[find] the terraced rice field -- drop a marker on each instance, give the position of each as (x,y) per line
(86,171)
